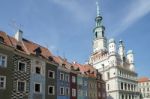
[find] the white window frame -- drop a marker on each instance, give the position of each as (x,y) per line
(53,90)
(52,72)
(74,94)
(4,87)
(40,87)
(85,83)
(68,91)
(24,85)
(40,70)
(86,93)
(23,63)
(67,78)
(73,79)
(5,65)
(60,76)
(63,91)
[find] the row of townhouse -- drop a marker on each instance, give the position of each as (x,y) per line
(30,71)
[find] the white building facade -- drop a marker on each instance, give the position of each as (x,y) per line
(144,88)
(116,66)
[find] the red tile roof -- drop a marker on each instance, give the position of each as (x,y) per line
(27,46)
(143,79)
(6,38)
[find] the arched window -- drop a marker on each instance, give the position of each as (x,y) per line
(102,34)
(1,39)
(95,34)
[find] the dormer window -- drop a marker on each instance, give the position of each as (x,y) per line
(64,65)
(50,58)
(19,47)
(38,51)
(1,39)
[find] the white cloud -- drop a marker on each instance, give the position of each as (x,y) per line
(137,10)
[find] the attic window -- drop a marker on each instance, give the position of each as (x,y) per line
(78,69)
(38,51)
(1,39)
(63,65)
(19,47)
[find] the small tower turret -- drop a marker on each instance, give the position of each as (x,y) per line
(130,58)
(121,50)
(112,46)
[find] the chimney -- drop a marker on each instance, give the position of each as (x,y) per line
(18,35)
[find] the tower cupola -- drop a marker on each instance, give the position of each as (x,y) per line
(130,58)
(112,46)
(121,50)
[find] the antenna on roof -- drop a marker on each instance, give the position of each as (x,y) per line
(14,25)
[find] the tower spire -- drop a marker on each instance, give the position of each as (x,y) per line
(100,41)
(98,9)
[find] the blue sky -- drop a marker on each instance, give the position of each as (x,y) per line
(65,26)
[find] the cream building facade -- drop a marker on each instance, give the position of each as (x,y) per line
(116,66)
(144,87)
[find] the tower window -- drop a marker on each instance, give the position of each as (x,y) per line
(102,34)
(95,34)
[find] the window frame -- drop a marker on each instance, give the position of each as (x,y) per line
(67,78)
(24,67)
(53,74)
(74,93)
(40,87)
(67,93)
(5,65)
(53,90)
(40,70)
(63,76)
(24,85)
(73,79)
(4,86)
(63,93)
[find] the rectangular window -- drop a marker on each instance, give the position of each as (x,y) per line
(37,87)
(21,66)
(99,85)
(3,60)
(51,74)
(21,86)
(108,75)
(51,90)
(107,86)
(99,94)
(61,90)
(85,93)
(67,78)
(73,79)
(74,92)
(2,82)
(61,76)
(37,70)
(67,91)
(85,83)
